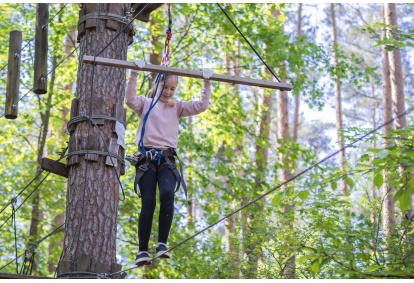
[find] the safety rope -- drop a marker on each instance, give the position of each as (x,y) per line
(154,154)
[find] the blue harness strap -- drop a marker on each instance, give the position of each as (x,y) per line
(154,101)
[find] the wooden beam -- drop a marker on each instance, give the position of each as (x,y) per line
(185,73)
(41,47)
(144,16)
(13,75)
(57,168)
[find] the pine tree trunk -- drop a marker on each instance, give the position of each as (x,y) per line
(397,82)
(297,96)
(338,106)
(388,218)
(93,187)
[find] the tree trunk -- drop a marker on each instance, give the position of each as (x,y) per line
(297,96)
(36,214)
(60,218)
(338,106)
(397,82)
(92,198)
(388,218)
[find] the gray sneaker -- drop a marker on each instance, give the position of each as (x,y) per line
(161,252)
(142,259)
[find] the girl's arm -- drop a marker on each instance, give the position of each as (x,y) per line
(195,107)
(136,103)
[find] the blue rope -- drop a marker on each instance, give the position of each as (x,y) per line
(152,154)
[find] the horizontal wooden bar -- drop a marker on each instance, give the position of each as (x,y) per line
(185,73)
(57,168)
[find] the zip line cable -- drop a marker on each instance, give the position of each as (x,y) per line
(278,186)
(35,35)
(270,70)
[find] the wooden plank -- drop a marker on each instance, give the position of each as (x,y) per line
(186,73)
(41,49)
(73,113)
(13,75)
(54,167)
(118,112)
(73,146)
(112,148)
(144,15)
(97,109)
(93,145)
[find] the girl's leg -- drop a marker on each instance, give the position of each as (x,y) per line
(147,186)
(166,184)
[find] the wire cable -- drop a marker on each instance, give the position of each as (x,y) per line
(278,186)
(27,198)
(36,243)
(270,70)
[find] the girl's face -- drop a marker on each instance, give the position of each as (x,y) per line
(169,89)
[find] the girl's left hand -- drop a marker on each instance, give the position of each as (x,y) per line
(207,73)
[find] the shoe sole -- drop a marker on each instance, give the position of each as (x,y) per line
(162,254)
(143,261)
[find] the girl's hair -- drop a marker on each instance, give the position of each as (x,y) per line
(150,94)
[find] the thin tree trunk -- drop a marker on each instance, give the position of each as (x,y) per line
(36,214)
(338,106)
(397,83)
(297,96)
(93,188)
(388,218)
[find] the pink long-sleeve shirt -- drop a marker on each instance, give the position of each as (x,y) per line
(161,129)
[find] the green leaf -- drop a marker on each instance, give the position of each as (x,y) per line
(382,154)
(334,185)
(303,195)
(372,268)
(349,182)
(378,180)
(276,200)
(314,268)
(405,199)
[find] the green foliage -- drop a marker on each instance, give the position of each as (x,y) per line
(328,234)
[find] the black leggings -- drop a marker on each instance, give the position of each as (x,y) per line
(166,180)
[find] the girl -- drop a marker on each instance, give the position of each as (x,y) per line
(156,163)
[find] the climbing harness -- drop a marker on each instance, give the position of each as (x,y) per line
(157,155)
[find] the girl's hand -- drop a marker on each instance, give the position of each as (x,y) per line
(140,63)
(207,73)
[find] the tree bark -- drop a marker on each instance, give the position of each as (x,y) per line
(297,96)
(92,198)
(388,218)
(338,106)
(397,82)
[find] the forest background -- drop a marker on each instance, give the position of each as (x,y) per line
(348,217)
